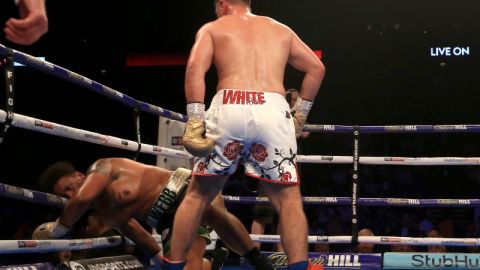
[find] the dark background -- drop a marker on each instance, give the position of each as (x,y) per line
(379,72)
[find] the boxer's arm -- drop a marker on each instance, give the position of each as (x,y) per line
(95,226)
(143,239)
(199,63)
(304,59)
(97,179)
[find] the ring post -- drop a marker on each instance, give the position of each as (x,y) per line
(7,64)
(355,183)
(136,116)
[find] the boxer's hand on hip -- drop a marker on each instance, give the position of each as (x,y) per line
(300,111)
(49,230)
(194,139)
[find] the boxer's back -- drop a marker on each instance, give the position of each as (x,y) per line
(250,52)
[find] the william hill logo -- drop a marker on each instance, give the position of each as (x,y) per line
(337,260)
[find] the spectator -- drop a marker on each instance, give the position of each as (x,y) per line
(365,247)
(436,248)
(32,24)
(402,248)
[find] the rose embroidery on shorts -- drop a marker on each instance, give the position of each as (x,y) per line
(232,150)
(281,159)
(259,152)
(216,163)
(201,167)
(286,177)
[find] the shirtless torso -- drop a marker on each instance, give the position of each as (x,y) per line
(250,52)
(131,190)
(257,42)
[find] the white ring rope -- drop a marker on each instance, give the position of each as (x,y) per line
(34,246)
(30,123)
(413,161)
(380,240)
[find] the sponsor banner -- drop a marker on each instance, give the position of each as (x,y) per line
(321,199)
(402,201)
(112,92)
(35,266)
(397,159)
(392,260)
(328,127)
(400,128)
(81,243)
(127,262)
(332,260)
(328,158)
(99,138)
(453,201)
(390,239)
(27,243)
(449,127)
(44,124)
(55,199)
(39,61)
(14,190)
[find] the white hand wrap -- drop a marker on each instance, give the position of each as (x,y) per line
(196,110)
(50,230)
(58,230)
(194,139)
(300,112)
(302,106)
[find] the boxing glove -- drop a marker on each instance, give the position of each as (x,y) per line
(49,230)
(194,139)
(299,112)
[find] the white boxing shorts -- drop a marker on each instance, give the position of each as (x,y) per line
(254,128)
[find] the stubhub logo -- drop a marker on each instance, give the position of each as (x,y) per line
(462,261)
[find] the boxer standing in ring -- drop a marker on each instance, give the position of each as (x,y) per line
(249,120)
